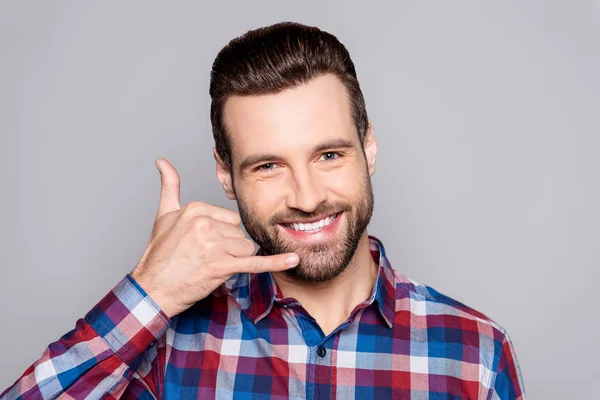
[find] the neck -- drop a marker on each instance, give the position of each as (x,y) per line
(341,294)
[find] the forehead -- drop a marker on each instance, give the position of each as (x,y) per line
(294,119)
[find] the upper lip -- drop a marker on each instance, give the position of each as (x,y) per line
(310,221)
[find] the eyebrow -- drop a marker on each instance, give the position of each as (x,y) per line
(328,145)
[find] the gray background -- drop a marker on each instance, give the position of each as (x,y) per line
(486,188)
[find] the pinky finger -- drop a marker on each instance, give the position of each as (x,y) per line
(257,264)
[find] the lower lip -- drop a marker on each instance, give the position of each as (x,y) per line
(324,233)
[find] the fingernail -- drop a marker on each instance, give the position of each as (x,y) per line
(291,260)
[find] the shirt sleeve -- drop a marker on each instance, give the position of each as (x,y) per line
(508,381)
(109,349)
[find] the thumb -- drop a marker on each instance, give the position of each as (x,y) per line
(169,192)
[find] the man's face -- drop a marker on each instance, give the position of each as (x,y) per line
(300,177)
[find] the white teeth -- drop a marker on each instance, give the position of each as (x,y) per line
(313,226)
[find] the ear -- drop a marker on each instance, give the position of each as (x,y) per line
(224,176)
(370,146)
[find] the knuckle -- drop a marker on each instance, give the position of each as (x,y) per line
(197,204)
(169,185)
(256,265)
(186,208)
(237,233)
(203,224)
(249,245)
(208,254)
(192,206)
(207,246)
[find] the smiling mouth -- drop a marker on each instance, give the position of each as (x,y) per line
(311,226)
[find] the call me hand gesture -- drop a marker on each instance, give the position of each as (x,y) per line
(195,248)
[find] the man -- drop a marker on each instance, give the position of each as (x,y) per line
(318,312)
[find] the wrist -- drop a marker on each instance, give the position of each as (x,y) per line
(154,293)
(127,299)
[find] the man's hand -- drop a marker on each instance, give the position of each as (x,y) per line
(194,249)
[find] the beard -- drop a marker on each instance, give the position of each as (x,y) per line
(319,261)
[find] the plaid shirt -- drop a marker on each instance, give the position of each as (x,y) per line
(406,341)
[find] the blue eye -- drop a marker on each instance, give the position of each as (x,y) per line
(330,155)
(266,167)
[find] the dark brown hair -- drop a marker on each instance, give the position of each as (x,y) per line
(277,57)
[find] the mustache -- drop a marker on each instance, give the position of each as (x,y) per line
(322,210)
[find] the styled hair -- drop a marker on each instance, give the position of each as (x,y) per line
(277,57)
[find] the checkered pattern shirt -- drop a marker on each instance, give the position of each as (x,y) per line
(406,341)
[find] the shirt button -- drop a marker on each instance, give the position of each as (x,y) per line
(321,351)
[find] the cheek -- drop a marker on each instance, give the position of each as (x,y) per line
(344,182)
(263,199)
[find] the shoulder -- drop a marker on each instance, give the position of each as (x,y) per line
(449,325)
(456,337)
(425,301)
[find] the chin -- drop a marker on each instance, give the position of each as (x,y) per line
(320,267)
(309,275)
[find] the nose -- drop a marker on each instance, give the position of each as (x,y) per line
(307,192)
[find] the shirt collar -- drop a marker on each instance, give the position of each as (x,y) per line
(264,292)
